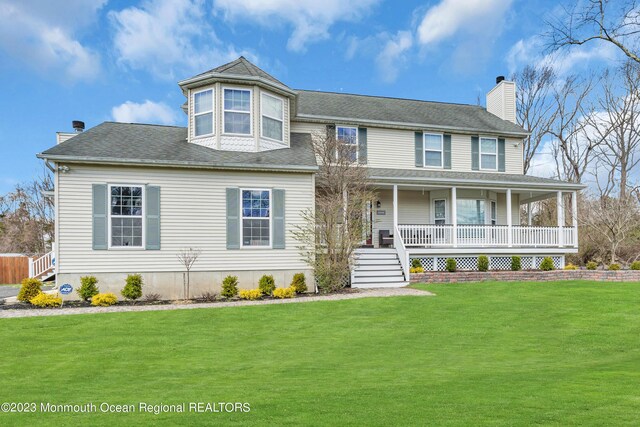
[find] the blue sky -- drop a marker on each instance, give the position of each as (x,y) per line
(99,60)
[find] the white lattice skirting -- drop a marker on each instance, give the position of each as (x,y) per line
(470,263)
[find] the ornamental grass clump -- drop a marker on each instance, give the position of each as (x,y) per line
(133,288)
(267,284)
(229,287)
(299,283)
(483,263)
(592,265)
(570,267)
(547,264)
(635,265)
(614,267)
(88,287)
(30,289)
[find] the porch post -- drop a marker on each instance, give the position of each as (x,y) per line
(395,208)
(454,216)
(529,214)
(509,220)
(560,215)
(574,216)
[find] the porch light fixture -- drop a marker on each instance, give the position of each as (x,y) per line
(378,204)
(63,169)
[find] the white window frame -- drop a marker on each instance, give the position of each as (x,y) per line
(262,115)
(142,216)
(480,153)
(356,145)
(212,112)
(493,220)
(446,210)
(250,112)
(242,217)
(441,151)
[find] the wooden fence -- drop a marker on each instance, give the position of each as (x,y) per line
(13,269)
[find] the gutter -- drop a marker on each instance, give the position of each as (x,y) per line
(484,184)
(402,125)
(194,165)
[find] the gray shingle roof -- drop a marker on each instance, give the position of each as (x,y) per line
(112,142)
(240,67)
(402,111)
(470,178)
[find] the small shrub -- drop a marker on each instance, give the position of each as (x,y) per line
(46,300)
(267,284)
(284,293)
(592,265)
(614,267)
(88,287)
(451,265)
(516,263)
(570,267)
(251,294)
(415,263)
(483,263)
(152,297)
(2,301)
(208,297)
(635,265)
(299,283)
(230,287)
(133,289)
(104,300)
(547,264)
(30,288)
(416,270)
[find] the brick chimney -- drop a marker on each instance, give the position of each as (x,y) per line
(501,100)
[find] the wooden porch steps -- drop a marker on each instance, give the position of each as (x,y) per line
(377,268)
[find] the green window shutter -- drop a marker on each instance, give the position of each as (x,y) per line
(99,210)
(277,223)
(233,218)
(152,218)
(501,155)
(419,149)
(331,131)
(475,153)
(446,161)
(362,146)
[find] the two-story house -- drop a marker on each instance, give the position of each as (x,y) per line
(233,183)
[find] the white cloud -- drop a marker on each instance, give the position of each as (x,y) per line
(578,58)
(389,59)
(161,36)
(43,35)
(311,19)
(146,112)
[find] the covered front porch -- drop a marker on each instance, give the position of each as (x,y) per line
(436,217)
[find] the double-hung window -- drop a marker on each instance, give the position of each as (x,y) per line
(494,212)
(203,112)
(489,153)
(256,218)
(348,138)
(272,117)
(237,111)
(433,150)
(440,211)
(126,227)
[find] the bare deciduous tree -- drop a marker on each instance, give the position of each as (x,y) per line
(535,107)
(26,217)
(188,257)
(329,234)
(616,23)
(573,149)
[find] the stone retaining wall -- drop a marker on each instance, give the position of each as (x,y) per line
(526,276)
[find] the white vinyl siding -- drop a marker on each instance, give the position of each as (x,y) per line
(193,215)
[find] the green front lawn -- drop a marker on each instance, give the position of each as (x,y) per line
(564,353)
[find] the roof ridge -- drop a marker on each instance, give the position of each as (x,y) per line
(390,97)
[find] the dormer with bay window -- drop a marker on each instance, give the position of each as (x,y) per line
(238,107)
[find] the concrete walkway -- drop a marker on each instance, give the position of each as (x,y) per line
(363,293)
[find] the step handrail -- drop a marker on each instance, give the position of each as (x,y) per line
(403,254)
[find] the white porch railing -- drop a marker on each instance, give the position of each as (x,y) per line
(41,265)
(432,235)
(403,255)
